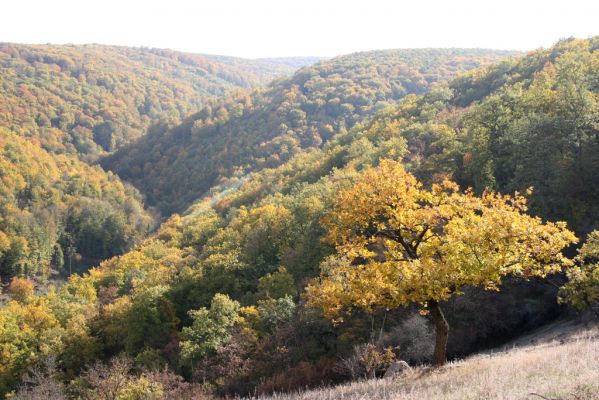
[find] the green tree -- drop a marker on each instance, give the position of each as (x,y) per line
(275,312)
(210,329)
(582,289)
(151,321)
(276,284)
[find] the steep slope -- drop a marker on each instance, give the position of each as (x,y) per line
(258,239)
(549,369)
(57,212)
(529,122)
(92,99)
(261,234)
(266,128)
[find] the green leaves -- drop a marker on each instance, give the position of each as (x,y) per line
(276,285)
(57,211)
(243,133)
(210,329)
(582,289)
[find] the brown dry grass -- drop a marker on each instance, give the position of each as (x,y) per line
(567,368)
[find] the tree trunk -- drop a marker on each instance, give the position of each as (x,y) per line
(442,333)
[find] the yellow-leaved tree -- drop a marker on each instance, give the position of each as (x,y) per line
(399,243)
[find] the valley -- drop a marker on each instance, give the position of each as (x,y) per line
(178,225)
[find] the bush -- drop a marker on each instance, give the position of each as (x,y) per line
(41,383)
(303,375)
(413,340)
(20,289)
(367,361)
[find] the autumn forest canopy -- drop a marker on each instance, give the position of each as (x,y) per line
(178,225)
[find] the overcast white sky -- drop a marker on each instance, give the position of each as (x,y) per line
(265,28)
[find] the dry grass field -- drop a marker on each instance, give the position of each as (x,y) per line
(559,363)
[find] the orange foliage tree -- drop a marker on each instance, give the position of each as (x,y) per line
(399,243)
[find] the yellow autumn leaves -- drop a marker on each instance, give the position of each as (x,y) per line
(398,242)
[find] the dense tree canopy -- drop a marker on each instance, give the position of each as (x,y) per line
(56,211)
(79,102)
(93,99)
(516,133)
(248,132)
(255,240)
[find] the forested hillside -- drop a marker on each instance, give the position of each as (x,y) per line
(92,99)
(271,63)
(59,213)
(368,223)
(250,131)
(77,102)
(524,123)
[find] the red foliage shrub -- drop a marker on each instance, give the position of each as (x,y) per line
(304,375)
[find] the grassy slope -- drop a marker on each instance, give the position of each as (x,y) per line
(559,362)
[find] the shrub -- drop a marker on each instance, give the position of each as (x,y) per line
(367,361)
(20,289)
(413,340)
(303,375)
(41,383)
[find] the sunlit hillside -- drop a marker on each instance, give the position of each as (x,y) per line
(563,367)
(250,131)
(92,99)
